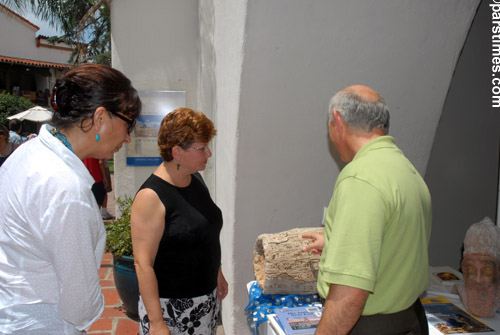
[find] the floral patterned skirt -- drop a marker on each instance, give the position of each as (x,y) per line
(185,316)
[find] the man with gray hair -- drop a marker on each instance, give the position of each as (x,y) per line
(374,261)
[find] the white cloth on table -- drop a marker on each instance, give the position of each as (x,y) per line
(52,241)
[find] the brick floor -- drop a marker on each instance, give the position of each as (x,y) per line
(113,320)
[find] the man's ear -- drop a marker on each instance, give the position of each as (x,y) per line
(338,121)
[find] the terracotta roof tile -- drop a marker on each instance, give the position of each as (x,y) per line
(36,63)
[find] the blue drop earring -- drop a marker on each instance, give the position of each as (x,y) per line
(97,137)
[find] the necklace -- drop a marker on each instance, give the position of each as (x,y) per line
(57,134)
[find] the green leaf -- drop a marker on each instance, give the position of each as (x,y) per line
(12,104)
(118,235)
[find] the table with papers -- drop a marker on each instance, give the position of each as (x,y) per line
(434,290)
(437,290)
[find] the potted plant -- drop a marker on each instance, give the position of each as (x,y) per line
(119,243)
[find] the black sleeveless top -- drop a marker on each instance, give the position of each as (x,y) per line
(188,258)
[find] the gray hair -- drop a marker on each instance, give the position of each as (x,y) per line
(358,113)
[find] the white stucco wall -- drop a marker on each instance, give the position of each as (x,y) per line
(463,168)
(157,47)
(296,55)
(51,54)
(230,20)
(18,40)
(14,31)
(276,65)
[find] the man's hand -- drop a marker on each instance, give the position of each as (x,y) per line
(316,245)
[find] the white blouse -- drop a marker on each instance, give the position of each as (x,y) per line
(52,241)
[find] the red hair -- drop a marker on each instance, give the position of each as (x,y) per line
(183,127)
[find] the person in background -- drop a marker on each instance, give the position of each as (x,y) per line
(99,187)
(16,90)
(15,127)
(39,98)
(6,147)
(374,262)
(51,232)
(109,187)
(175,233)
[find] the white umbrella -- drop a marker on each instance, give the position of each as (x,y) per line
(36,114)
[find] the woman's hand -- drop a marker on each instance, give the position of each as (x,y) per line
(222,286)
(159,328)
(316,245)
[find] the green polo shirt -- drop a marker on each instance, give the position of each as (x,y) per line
(377,229)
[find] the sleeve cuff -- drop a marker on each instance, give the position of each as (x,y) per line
(349,280)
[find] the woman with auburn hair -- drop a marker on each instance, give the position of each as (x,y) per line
(51,232)
(175,233)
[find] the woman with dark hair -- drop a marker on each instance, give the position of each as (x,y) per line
(6,147)
(51,233)
(175,234)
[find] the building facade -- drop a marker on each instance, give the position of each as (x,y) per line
(29,64)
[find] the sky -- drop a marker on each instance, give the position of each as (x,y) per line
(45,28)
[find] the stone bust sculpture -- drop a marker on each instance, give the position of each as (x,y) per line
(481,269)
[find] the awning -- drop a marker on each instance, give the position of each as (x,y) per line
(35,63)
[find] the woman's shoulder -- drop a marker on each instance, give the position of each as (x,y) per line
(153,182)
(156,187)
(146,194)
(146,202)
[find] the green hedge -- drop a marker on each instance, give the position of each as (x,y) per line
(10,105)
